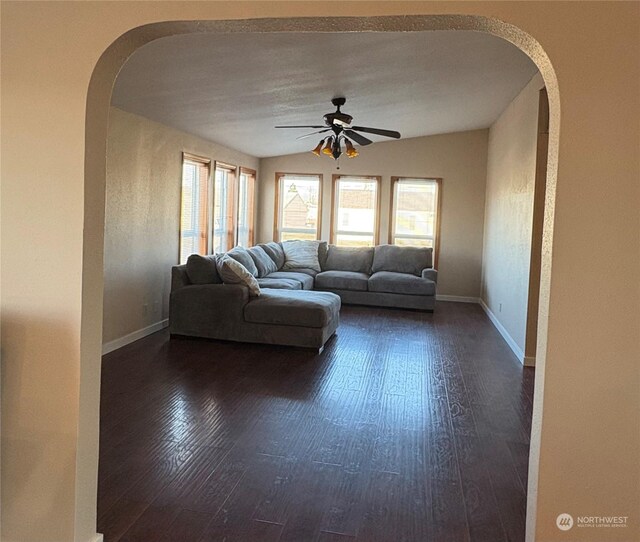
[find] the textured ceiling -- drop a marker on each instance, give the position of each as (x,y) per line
(234,88)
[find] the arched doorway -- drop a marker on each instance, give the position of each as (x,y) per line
(97,119)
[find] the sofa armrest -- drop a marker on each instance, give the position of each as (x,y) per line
(217,293)
(179,277)
(200,306)
(430,274)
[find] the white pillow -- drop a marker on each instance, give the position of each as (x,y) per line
(299,254)
(233,272)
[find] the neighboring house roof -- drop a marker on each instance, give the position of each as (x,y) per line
(294,198)
(415,201)
(356,199)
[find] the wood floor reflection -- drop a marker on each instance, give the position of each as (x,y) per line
(408,427)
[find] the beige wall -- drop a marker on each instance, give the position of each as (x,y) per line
(511,169)
(459,159)
(144,171)
(585,439)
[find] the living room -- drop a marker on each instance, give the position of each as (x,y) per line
(471,154)
(137,283)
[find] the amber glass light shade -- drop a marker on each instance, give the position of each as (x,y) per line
(350,151)
(327,147)
(318,148)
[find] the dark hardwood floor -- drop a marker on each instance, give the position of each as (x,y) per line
(408,427)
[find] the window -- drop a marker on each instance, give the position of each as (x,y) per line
(298,206)
(246,192)
(355,211)
(414,212)
(194,206)
(224,208)
(215,214)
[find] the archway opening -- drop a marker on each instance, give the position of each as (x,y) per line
(97,122)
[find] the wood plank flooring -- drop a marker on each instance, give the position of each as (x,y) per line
(409,427)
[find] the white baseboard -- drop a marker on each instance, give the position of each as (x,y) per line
(131,337)
(97,538)
(457,298)
(505,334)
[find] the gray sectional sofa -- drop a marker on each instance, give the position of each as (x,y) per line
(296,306)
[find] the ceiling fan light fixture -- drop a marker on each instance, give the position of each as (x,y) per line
(327,148)
(318,148)
(340,124)
(350,150)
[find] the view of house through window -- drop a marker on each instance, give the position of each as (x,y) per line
(355,211)
(246,191)
(194,207)
(414,212)
(224,208)
(298,202)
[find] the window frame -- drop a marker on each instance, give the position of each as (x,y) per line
(231,204)
(251,212)
(334,214)
(278,197)
(438,207)
(198,160)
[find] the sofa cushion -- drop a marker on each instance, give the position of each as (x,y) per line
(264,264)
(279,284)
(240,254)
(233,272)
(301,253)
(310,272)
(401,283)
(322,258)
(289,308)
(306,281)
(410,260)
(342,280)
(275,252)
(203,269)
(355,259)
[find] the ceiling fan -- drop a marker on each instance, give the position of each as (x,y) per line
(343,132)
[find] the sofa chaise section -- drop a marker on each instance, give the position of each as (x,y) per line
(286,316)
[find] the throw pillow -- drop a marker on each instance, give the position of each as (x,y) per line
(241,255)
(275,252)
(301,254)
(203,269)
(233,272)
(264,263)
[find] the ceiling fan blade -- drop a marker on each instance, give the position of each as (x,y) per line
(358,138)
(309,126)
(377,131)
(313,133)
